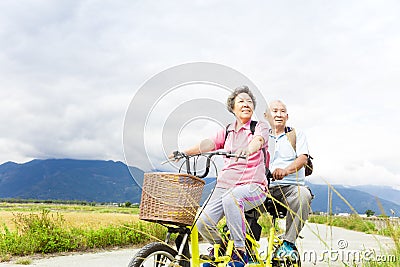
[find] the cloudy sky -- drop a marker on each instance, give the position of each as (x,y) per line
(69,70)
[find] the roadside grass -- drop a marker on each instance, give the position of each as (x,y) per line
(393,258)
(46,229)
(24,261)
(31,230)
(47,232)
(352,222)
(76,219)
(265,221)
(74,215)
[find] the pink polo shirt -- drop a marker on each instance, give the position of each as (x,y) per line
(243,171)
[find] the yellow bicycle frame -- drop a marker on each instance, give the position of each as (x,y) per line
(273,241)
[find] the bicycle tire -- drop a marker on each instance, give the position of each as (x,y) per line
(155,254)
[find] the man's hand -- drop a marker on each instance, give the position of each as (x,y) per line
(279,174)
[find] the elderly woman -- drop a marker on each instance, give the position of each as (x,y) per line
(241,184)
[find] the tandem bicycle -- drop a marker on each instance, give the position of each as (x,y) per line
(172,200)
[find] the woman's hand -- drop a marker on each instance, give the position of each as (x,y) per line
(206,145)
(255,145)
(174,156)
(245,152)
(177,156)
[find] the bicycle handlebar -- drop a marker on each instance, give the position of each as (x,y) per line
(180,155)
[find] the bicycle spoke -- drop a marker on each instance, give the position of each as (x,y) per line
(160,260)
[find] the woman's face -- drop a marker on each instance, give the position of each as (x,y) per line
(243,107)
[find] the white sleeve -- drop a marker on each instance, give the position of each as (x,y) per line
(301,143)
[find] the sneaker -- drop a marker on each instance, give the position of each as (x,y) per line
(239,259)
(288,250)
(209,264)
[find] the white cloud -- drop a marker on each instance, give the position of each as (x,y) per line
(69,69)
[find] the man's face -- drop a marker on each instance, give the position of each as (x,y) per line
(279,114)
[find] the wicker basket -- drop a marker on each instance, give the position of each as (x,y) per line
(171,198)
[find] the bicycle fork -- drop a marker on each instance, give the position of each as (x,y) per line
(194,237)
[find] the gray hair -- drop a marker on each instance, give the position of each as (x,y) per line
(276,101)
(230,102)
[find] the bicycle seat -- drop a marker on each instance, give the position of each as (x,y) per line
(274,208)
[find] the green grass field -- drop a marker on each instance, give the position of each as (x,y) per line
(27,229)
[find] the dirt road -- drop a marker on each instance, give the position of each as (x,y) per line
(321,246)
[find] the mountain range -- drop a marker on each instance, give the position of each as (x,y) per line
(113,181)
(68,179)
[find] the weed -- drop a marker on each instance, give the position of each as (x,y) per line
(23,261)
(46,232)
(352,222)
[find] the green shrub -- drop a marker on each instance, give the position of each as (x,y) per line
(48,233)
(352,222)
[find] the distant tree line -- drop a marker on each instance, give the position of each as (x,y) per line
(69,202)
(48,201)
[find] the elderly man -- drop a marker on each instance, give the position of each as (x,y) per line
(287,167)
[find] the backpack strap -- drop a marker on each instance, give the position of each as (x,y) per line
(267,171)
(226,132)
(253,126)
(252,129)
(291,136)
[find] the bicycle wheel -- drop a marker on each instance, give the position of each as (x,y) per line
(154,255)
